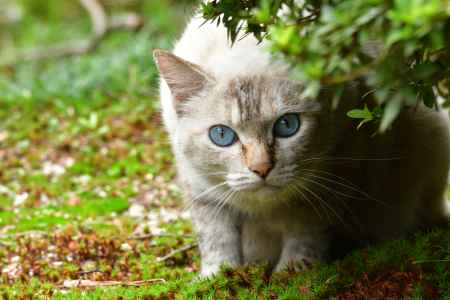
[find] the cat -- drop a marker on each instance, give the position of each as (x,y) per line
(271,176)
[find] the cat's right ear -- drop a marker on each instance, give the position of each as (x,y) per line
(184,79)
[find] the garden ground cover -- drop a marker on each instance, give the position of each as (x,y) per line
(88,192)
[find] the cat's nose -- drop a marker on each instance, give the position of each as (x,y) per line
(262,169)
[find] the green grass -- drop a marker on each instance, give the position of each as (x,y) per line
(85,165)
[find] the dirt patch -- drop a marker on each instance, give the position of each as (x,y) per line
(388,284)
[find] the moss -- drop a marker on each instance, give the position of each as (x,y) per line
(81,142)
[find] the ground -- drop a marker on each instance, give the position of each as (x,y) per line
(87,187)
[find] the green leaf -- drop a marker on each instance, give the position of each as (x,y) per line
(362,123)
(446,104)
(360,113)
(391,112)
(428,97)
(364,114)
(413,38)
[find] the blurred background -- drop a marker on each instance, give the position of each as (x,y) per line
(115,33)
(84,161)
(87,184)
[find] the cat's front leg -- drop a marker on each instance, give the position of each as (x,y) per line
(302,250)
(218,237)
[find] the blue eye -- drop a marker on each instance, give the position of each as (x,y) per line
(222,135)
(286,126)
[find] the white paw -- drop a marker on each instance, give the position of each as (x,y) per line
(298,263)
(209,271)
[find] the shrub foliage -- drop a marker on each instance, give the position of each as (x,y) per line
(399,47)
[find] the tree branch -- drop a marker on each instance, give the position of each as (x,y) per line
(102,26)
(84,283)
(160,235)
(97,14)
(176,251)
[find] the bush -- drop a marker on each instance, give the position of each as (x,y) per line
(399,47)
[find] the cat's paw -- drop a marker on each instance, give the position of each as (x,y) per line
(205,274)
(208,272)
(296,264)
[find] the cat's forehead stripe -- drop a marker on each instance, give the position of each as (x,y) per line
(247,92)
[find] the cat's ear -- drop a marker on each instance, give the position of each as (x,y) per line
(184,79)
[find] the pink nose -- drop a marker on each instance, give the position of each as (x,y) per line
(262,169)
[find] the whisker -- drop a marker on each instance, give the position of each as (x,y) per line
(219,197)
(287,176)
(229,197)
(308,179)
(288,168)
(242,182)
(237,176)
(321,202)
(335,176)
(221,203)
(332,191)
(204,193)
(327,205)
(358,190)
(208,174)
(299,190)
(191,201)
(337,159)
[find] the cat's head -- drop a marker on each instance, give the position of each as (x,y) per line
(252,136)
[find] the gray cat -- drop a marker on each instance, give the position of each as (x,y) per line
(270,176)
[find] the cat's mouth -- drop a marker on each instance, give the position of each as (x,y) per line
(249,192)
(254,186)
(253,183)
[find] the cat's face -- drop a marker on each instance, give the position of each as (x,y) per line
(252,136)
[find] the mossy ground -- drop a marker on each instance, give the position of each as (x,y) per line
(85,167)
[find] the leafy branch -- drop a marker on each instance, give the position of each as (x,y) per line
(399,47)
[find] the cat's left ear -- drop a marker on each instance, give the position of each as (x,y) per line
(184,79)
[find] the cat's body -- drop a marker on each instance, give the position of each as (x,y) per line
(289,199)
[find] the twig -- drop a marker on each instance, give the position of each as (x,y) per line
(82,283)
(159,235)
(81,273)
(97,14)
(312,16)
(357,73)
(102,26)
(431,261)
(331,279)
(176,251)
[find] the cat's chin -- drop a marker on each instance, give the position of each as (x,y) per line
(259,198)
(261,189)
